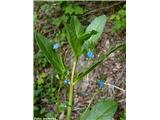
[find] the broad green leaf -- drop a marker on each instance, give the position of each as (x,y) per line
(103,110)
(86,36)
(76,26)
(99,61)
(98,25)
(73,30)
(53,57)
(76,35)
(71,37)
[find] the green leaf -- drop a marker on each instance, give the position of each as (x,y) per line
(53,57)
(73,31)
(118,24)
(71,37)
(64,18)
(69,9)
(51,115)
(76,26)
(62,107)
(86,36)
(42,110)
(35,18)
(112,17)
(124,6)
(43,75)
(36,108)
(40,81)
(76,36)
(123,117)
(98,25)
(122,13)
(119,21)
(78,10)
(117,17)
(103,110)
(99,61)
(56,22)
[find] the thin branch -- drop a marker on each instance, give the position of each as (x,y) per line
(123,100)
(116,87)
(108,7)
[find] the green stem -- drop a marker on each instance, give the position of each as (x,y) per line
(52,86)
(58,98)
(71,91)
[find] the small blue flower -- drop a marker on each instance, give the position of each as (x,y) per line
(90,54)
(67,82)
(101,83)
(55,46)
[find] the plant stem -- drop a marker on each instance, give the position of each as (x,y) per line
(71,91)
(52,86)
(58,98)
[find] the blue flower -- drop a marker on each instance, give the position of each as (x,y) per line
(90,54)
(67,82)
(101,84)
(55,46)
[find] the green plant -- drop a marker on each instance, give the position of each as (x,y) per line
(119,20)
(98,25)
(123,117)
(71,9)
(68,10)
(81,41)
(35,18)
(42,95)
(103,110)
(46,8)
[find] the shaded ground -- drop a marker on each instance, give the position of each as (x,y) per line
(114,68)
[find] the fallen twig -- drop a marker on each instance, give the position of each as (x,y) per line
(95,10)
(116,87)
